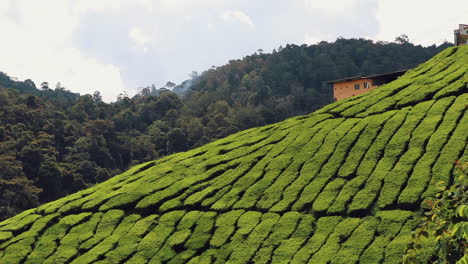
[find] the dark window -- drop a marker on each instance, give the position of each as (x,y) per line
(356,87)
(366,85)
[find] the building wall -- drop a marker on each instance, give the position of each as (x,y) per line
(347,89)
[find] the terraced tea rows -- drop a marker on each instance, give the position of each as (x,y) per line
(341,185)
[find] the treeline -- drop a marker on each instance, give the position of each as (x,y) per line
(54,142)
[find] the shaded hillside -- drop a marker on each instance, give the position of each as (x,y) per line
(54,142)
(340,185)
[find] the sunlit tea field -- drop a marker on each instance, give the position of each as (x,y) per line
(341,185)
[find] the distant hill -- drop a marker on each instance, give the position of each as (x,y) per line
(340,185)
(292,80)
(26,86)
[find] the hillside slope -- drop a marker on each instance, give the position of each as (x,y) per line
(66,142)
(341,185)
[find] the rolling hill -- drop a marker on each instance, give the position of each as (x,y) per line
(341,185)
(66,142)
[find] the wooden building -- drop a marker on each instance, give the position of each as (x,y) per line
(347,87)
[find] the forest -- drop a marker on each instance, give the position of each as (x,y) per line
(54,142)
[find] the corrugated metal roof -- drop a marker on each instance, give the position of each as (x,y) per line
(367,77)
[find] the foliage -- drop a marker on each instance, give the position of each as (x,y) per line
(283,193)
(445,221)
(54,142)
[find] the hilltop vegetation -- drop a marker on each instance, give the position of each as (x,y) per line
(341,185)
(54,142)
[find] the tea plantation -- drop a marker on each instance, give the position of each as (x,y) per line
(341,185)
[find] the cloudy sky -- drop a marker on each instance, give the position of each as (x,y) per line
(117,45)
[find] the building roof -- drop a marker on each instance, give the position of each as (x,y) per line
(400,72)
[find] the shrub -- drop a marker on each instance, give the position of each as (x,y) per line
(445,224)
(17,252)
(68,247)
(108,243)
(342,231)
(360,238)
(328,195)
(288,248)
(389,226)
(47,243)
(442,168)
(364,198)
(421,173)
(246,250)
(282,229)
(106,226)
(202,233)
(128,243)
(396,248)
(291,192)
(313,167)
(152,242)
(416,147)
(366,138)
(324,227)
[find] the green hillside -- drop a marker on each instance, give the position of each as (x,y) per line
(341,185)
(54,142)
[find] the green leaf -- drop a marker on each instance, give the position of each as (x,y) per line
(462,211)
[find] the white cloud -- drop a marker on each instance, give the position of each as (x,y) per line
(38,44)
(139,37)
(424,21)
(188,18)
(185,4)
(175,3)
(311,39)
(71,41)
(211,27)
(238,17)
(330,7)
(4,7)
(84,6)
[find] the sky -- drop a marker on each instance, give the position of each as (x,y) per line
(113,46)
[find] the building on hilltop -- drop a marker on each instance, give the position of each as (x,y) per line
(461,35)
(351,86)
(347,87)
